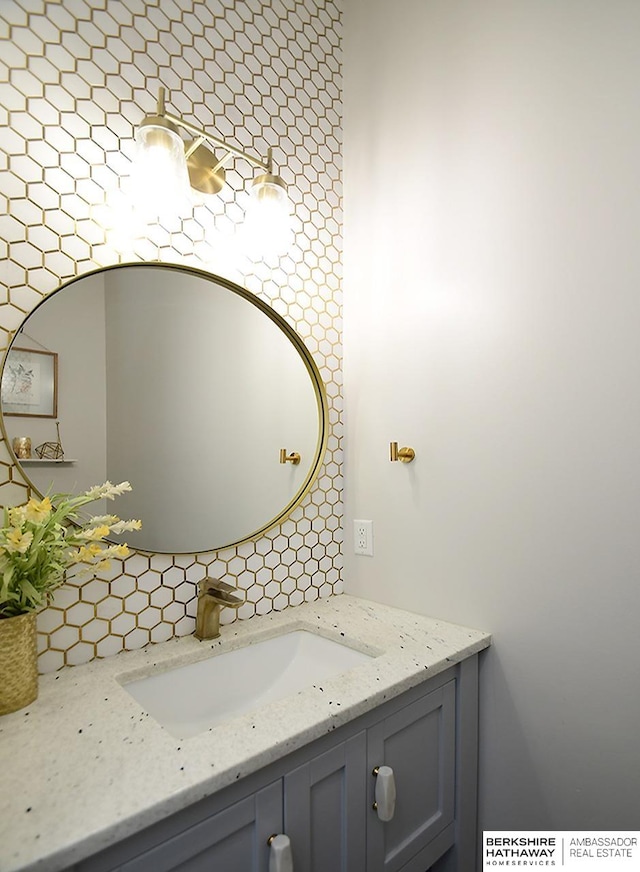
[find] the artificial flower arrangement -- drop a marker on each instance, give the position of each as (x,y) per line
(40,540)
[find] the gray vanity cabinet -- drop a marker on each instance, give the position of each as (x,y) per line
(418,743)
(233,840)
(325,809)
(322,797)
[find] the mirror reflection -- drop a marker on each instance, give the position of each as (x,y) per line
(183,384)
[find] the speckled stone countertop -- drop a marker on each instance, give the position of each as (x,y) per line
(84,766)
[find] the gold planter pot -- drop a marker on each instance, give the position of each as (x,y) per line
(18,662)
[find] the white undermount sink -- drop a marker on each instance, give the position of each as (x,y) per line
(188,700)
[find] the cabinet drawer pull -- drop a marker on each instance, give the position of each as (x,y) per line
(280,859)
(385,793)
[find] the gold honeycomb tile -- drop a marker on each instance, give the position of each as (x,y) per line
(123,624)
(161,632)
(161,597)
(81,652)
(75,79)
(95,631)
(109,646)
(137,638)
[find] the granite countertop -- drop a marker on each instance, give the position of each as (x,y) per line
(85,766)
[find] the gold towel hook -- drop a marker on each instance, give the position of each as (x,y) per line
(405,455)
(293,458)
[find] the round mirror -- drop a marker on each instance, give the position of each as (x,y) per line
(178,381)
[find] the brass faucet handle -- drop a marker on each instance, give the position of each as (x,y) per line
(230,600)
(223,593)
(217,584)
(207,584)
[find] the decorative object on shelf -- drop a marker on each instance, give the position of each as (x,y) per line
(404,455)
(22,447)
(39,541)
(166,166)
(51,450)
(30,383)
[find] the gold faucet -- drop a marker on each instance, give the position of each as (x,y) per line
(213,594)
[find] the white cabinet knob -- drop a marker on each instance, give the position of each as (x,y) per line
(280,859)
(385,803)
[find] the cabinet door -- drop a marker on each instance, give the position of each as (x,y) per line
(325,809)
(418,743)
(234,840)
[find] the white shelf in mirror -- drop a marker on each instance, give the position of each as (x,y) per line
(27,460)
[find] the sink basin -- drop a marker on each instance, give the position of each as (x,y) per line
(188,700)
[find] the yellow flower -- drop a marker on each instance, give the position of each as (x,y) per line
(86,553)
(17,516)
(17,541)
(116,551)
(96,533)
(97,520)
(38,511)
(107,490)
(43,539)
(125,526)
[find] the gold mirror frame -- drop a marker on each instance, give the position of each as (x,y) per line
(287,330)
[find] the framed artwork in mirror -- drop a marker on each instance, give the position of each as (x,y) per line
(30,383)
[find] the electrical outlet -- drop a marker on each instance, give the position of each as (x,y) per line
(363,537)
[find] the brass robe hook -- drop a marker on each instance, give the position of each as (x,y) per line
(405,455)
(294,457)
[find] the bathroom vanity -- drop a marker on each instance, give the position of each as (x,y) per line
(94,783)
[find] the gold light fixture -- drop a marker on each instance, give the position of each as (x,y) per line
(167,166)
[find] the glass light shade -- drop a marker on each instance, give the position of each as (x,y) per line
(161,177)
(267,225)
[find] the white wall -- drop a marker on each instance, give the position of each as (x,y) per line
(203,389)
(492,315)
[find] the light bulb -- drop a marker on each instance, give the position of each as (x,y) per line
(267,227)
(161,180)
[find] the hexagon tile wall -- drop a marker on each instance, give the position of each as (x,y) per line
(75,79)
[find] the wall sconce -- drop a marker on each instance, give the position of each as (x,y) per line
(405,455)
(167,166)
